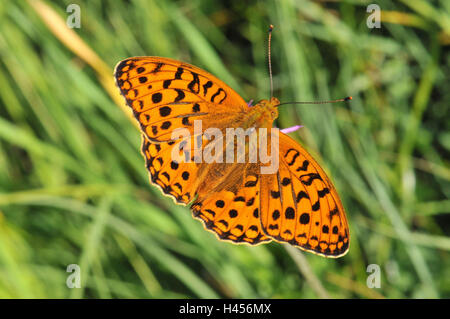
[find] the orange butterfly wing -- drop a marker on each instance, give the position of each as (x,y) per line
(231,207)
(165,94)
(172,178)
(301,205)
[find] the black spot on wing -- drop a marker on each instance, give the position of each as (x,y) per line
(316,206)
(334,212)
(275,214)
(178,74)
(165,111)
(166,175)
(307,179)
(233,213)
(206,86)
(185,121)
(289,213)
(323,192)
(166,83)
(180,95)
(251,183)
(174,165)
(304,218)
(154,130)
(286,181)
(220,90)
(223,222)
(274,194)
(220,203)
(165,125)
(294,157)
(156,97)
(157,68)
(194,85)
(304,166)
(301,195)
(213,213)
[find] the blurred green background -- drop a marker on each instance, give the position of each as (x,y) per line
(74,189)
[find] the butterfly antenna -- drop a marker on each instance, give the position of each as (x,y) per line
(348,98)
(270,61)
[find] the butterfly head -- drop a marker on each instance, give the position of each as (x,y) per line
(268,111)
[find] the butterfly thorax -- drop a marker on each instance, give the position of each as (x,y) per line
(263,113)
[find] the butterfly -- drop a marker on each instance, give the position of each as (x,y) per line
(296,204)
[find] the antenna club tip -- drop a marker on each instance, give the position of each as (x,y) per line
(348,98)
(271,27)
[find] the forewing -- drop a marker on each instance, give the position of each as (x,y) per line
(166,94)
